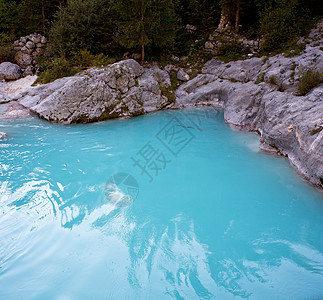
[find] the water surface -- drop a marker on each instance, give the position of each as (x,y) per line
(208,216)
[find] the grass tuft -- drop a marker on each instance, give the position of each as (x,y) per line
(310,78)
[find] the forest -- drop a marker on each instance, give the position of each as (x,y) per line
(153,28)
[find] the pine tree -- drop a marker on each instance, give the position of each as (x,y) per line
(145,22)
(36,15)
(82,24)
(9,22)
(231,12)
(201,13)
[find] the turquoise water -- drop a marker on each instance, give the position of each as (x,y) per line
(200,213)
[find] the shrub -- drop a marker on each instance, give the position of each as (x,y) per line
(54,69)
(169,92)
(82,24)
(231,51)
(6,49)
(84,59)
(272,80)
(281,88)
(282,24)
(296,50)
(6,53)
(260,78)
(310,78)
(316,130)
(102,60)
(264,60)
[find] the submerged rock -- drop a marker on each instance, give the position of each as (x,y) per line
(11,90)
(2,135)
(122,89)
(13,110)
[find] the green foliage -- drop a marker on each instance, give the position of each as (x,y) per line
(277,29)
(204,14)
(9,23)
(6,49)
(21,17)
(265,59)
(82,24)
(84,59)
(54,69)
(184,41)
(282,23)
(36,15)
(145,22)
(228,7)
(296,50)
(260,78)
(316,130)
(310,78)
(100,60)
(169,92)
(174,81)
(231,51)
(113,27)
(272,80)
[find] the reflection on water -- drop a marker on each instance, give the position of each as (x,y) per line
(222,221)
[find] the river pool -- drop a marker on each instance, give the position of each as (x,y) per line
(170,205)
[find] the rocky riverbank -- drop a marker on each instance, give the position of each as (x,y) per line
(260,94)
(257,94)
(123,89)
(288,125)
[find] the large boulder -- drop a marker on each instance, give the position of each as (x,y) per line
(13,110)
(123,89)
(9,71)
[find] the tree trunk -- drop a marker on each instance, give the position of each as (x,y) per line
(237,16)
(142,34)
(142,48)
(43,15)
(224,20)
